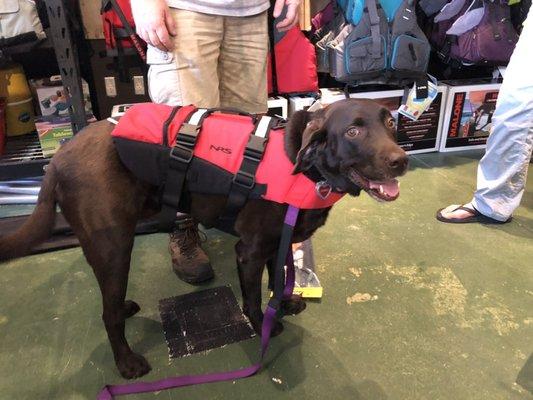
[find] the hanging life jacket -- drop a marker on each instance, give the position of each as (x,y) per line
(19,23)
(519,14)
(323,36)
(381,43)
(482,35)
(294,59)
(215,153)
(323,17)
(442,22)
(119,29)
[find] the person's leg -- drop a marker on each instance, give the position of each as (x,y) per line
(242,64)
(188,75)
(503,169)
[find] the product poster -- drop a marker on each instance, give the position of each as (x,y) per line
(423,133)
(417,136)
(470,118)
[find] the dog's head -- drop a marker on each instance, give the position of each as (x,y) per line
(351,144)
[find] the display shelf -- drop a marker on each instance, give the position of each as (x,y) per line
(22,157)
(27,47)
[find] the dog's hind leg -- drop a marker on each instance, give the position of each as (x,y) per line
(106,235)
(102,202)
(131,308)
(108,252)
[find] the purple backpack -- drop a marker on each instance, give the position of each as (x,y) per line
(445,19)
(483,35)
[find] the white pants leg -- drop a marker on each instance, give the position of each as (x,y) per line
(503,169)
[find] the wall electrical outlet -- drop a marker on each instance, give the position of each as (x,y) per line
(110,86)
(138,85)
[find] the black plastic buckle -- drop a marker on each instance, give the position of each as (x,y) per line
(244,179)
(253,154)
(188,129)
(181,154)
(279,123)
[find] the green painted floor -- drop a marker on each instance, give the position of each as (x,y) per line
(450,314)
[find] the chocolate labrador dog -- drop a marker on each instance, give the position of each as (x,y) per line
(352,143)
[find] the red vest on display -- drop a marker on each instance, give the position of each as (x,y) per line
(221,143)
(119,29)
(295,64)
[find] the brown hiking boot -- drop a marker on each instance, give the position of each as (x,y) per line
(189,261)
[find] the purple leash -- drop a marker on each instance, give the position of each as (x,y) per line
(283,288)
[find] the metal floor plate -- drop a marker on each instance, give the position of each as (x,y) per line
(203,320)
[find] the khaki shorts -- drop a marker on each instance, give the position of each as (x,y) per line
(218,61)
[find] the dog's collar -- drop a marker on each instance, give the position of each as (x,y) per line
(322,178)
(318,175)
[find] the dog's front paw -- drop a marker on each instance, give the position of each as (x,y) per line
(133,365)
(257,324)
(277,329)
(295,305)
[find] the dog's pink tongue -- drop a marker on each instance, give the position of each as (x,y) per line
(390,188)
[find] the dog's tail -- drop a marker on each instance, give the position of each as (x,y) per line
(38,226)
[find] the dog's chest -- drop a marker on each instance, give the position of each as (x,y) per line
(308,222)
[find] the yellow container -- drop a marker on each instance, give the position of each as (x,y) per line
(19,107)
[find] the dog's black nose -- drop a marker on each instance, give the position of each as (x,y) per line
(398,162)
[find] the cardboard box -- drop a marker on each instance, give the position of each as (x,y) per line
(120,109)
(420,136)
(297,103)
(468,115)
(278,107)
(52,97)
(53,131)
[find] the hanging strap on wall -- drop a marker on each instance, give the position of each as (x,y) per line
(374,28)
(180,157)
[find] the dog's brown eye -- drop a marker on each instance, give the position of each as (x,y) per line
(391,123)
(353,132)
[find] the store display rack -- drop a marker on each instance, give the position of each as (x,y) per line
(23,156)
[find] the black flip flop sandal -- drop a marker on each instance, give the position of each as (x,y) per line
(476,217)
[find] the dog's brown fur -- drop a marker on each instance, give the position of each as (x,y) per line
(103,201)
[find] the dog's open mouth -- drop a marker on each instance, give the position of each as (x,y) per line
(379,190)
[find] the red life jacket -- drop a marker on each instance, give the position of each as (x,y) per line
(221,145)
(119,29)
(295,60)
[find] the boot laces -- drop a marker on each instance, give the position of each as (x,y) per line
(189,241)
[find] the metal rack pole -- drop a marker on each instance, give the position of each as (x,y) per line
(67,59)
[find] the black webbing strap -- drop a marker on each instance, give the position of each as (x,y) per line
(168,121)
(273,68)
(495,20)
(285,246)
(374,28)
(179,160)
(244,180)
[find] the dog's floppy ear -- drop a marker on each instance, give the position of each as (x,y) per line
(314,132)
